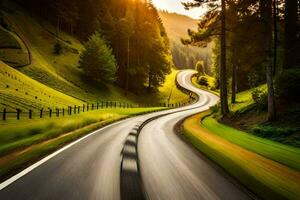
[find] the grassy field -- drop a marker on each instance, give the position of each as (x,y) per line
(248,158)
(24,142)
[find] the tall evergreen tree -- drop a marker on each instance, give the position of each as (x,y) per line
(97,60)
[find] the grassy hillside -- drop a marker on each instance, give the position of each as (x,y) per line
(58,72)
(12,49)
(53,80)
(19,91)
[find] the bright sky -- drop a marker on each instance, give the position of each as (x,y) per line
(176,6)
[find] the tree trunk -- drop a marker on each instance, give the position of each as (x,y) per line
(275,36)
(127,67)
(266,13)
(233,84)
(223,76)
(290,43)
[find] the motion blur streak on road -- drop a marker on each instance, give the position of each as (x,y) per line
(90,169)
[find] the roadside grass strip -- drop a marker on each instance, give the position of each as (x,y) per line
(24,143)
(284,154)
(254,166)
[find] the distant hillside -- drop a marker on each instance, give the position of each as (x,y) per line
(183,56)
(171,22)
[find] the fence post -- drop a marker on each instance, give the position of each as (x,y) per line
(50,113)
(74,109)
(71,110)
(78,110)
(18,114)
(4,114)
(30,114)
(63,112)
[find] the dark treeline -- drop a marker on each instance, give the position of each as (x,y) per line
(257,41)
(132,29)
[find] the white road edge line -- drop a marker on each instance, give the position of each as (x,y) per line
(35,165)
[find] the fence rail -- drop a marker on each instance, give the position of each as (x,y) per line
(19,114)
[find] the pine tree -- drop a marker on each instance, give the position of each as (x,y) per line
(97,60)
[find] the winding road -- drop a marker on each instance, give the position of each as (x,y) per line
(169,167)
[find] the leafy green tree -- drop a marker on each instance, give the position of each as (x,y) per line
(97,60)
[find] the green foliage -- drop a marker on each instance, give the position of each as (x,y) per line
(260,98)
(200,68)
(275,133)
(203,81)
(287,85)
(57,49)
(97,60)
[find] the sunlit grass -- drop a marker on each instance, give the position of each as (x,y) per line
(281,153)
(19,91)
(241,155)
(244,99)
(170,92)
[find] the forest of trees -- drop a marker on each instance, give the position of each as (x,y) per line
(255,40)
(143,57)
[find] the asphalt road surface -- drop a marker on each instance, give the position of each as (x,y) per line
(90,168)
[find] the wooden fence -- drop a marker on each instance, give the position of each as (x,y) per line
(77,109)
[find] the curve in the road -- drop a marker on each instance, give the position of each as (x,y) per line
(90,167)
